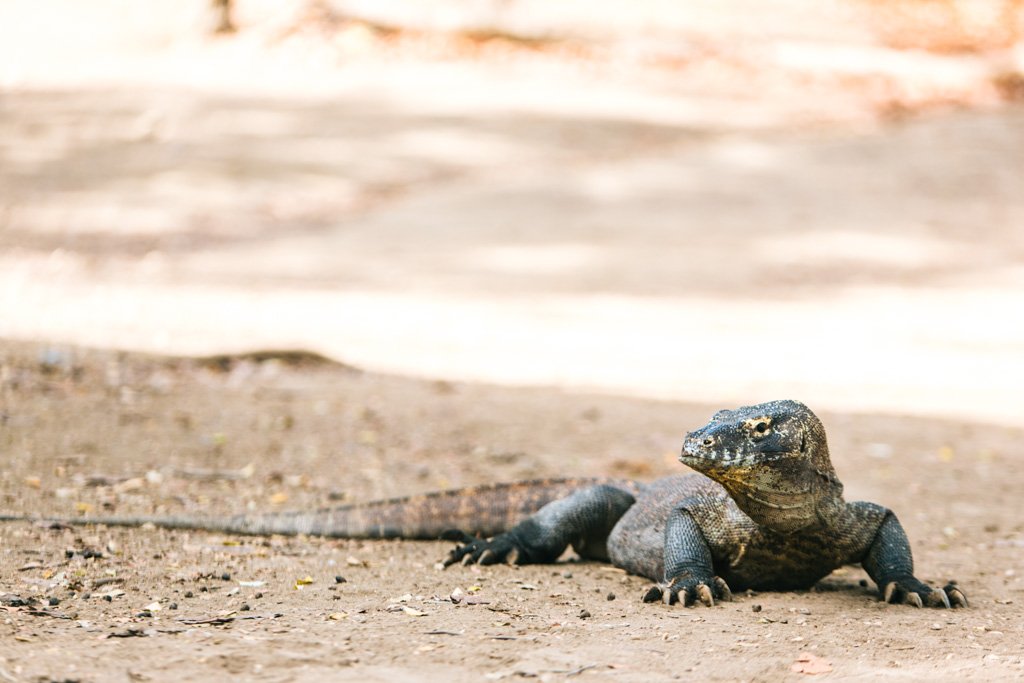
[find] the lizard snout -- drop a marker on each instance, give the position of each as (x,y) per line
(695,445)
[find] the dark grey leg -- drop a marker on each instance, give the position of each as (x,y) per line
(583,519)
(689,570)
(890,564)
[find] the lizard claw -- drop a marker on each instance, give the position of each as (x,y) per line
(482,551)
(653,594)
(724,593)
(955,595)
(917,594)
(689,592)
(705,596)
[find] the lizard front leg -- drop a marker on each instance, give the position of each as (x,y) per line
(583,519)
(890,564)
(689,569)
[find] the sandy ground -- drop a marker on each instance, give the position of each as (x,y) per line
(108,432)
(545,258)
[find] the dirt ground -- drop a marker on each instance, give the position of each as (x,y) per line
(540,253)
(107,432)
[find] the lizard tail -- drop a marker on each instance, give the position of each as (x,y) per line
(482,510)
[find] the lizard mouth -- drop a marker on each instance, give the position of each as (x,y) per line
(700,456)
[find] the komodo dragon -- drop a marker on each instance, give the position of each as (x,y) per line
(765,512)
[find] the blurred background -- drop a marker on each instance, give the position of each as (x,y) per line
(714,201)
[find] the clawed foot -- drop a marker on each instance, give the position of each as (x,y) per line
(689,592)
(913,592)
(501,548)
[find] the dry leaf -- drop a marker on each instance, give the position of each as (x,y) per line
(413,612)
(809,664)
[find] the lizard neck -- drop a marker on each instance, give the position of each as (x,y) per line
(788,501)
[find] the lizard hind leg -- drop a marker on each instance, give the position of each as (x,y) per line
(584,519)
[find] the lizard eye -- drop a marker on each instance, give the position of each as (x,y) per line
(757,428)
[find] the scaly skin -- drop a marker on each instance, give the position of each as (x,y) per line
(483,510)
(764,512)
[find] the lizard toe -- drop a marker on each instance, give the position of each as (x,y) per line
(667,593)
(910,591)
(653,594)
(937,598)
(689,592)
(457,554)
(722,590)
(486,551)
(955,595)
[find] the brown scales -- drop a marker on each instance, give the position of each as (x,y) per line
(483,510)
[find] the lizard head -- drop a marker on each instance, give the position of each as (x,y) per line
(773,460)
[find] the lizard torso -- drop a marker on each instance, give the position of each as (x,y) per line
(745,554)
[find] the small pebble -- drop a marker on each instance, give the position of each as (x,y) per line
(244,608)
(755,608)
(610,597)
(566,575)
(340,579)
(584,614)
(225,577)
(258,595)
(54,602)
(173,605)
(86,596)
(189,594)
(108,598)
